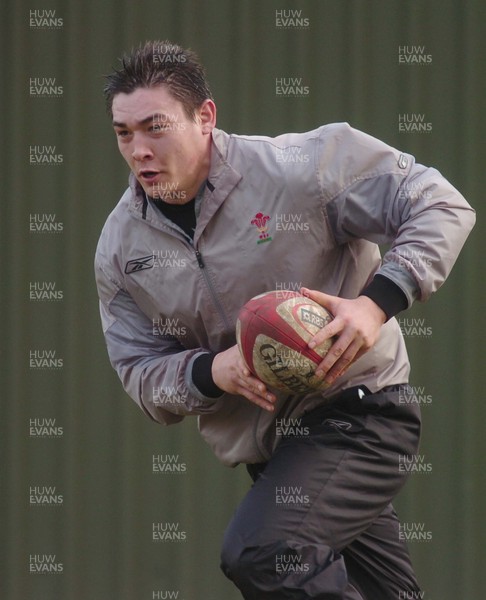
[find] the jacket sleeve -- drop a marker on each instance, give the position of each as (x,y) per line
(155,372)
(379,194)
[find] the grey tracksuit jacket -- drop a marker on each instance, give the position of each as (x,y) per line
(300,209)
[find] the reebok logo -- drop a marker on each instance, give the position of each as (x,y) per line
(336,424)
(139,264)
(402,161)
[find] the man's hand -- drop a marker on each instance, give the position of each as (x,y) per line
(232,375)
(357,326)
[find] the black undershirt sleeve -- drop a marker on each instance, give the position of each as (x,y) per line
(387,294)
(202,376)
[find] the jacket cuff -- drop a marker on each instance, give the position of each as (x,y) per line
(202,377)
(387,295)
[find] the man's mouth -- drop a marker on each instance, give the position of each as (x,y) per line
(148,175)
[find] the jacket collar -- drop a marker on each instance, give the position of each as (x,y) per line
(222,180)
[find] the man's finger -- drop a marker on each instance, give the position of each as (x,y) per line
(321,298)
(327,332)
(256,387)
(343,363)
(256,399)
(343,344)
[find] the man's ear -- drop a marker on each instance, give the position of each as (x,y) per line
(207,116)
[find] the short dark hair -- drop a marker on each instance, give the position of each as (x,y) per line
(160,62)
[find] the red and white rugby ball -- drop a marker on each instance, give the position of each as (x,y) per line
(272,332)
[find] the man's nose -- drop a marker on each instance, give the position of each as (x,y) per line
(141,149)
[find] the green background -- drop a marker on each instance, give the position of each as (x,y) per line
(101,464)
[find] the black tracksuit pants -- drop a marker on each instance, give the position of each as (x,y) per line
(318,521)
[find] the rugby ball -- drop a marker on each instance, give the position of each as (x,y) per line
(272,332)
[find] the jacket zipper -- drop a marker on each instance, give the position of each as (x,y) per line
(259,446)
(211,289)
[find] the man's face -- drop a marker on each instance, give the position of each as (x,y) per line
(168,152)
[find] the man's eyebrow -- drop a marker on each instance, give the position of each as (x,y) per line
(154,117)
